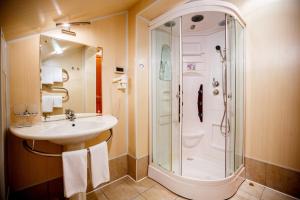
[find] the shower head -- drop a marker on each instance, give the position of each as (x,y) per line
(197,18)
(170,24)
(222,23)
(218,49)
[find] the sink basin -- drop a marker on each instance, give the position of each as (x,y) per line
(67,132)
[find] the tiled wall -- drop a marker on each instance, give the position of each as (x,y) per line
(53,189)
(138,168)
(278,178)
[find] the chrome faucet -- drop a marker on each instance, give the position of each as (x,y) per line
(70,114)
(46,116)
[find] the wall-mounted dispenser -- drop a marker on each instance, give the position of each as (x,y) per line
(122,82)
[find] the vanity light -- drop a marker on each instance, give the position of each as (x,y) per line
(66,25)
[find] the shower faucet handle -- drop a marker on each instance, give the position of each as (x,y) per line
(215,92)
(215,83)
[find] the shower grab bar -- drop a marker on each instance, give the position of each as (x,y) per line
(41,153)
(200,103)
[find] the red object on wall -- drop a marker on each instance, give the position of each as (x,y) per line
(98,84)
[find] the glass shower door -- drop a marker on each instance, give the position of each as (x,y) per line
(230,99)
(165,58)
(239,97)
(235,94)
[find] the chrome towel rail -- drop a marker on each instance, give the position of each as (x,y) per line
(65,98)
(41,153)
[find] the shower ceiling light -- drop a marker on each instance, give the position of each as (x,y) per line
(197,18)
(66,25)
(222,23)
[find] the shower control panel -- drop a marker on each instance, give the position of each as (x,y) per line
(215,83)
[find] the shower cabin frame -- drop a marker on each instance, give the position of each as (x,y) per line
(194,188)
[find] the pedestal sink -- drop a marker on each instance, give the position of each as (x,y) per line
(65,132)
(70,134)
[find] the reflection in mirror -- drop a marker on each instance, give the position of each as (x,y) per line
(70,77)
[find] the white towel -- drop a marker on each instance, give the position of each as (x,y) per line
(99,164)
(57,74)
(75,172)
(47,75)
(57,101)
(47,103)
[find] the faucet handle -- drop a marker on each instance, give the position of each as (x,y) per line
(69,111)
(70,114)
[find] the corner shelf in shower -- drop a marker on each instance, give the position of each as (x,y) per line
(193,54)
(193,73)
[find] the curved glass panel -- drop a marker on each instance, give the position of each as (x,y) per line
(235,95)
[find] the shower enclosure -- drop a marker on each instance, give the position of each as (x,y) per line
(197,100)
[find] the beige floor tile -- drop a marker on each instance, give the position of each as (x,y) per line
(252,188)
(158,192)
(140,198)
(269,194)
(97,195)
(120,190)
(235,197)
(242,195)
(142,185)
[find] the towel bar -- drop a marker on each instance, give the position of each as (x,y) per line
(41,153)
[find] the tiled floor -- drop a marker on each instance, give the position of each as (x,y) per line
(147,189)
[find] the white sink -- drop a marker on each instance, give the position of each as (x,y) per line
(67,132)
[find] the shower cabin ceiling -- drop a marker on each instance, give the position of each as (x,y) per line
(209,24)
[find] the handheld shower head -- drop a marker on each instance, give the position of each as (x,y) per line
(219,50)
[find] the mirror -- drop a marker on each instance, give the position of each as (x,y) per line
(70,76)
